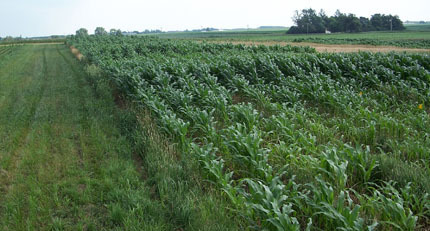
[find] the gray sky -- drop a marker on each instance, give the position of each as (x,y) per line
(48,17)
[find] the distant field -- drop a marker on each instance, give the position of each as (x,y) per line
(415,36)
(32,41)
(418,27)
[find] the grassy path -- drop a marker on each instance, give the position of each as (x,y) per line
(65,163)
(56,150)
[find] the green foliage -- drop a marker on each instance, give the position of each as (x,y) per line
(100,31)
(82,32)
(293,138)
(116,32)
(70,156)
(415,36)
(413,43)
(309,22)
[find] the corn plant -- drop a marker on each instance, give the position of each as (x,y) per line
(345,124)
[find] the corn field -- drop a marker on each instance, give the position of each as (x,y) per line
(294,139)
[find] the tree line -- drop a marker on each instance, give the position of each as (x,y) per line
(98,31)
(309,21)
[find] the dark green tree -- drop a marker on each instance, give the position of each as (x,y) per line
(82,32)
(377,22)
(118,32)
(337,22)
(100,31)
(397,23)
(365,24)
(352,24)
(308,21)
(386,22)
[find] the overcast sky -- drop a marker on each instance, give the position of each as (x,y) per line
(48,17)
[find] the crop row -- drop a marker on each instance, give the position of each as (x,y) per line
(410,43)
(295,139)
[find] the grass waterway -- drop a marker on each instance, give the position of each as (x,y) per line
(72,159)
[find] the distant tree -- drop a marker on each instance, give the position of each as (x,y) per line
(307,21)
(377,22)
(325,18)
(397,23)
(82,32)
(352,24)
(100,31)
(118,32)
(365,24)
(337,22)
(384,22)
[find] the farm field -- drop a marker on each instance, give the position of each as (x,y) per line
(69,155)
(331,48)
(31,41)
(415,36)
(291,139)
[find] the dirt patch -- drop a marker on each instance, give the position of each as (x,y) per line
(81,188)
(138,164)
(237,98)
(76,53)
(119,100)
(333,48)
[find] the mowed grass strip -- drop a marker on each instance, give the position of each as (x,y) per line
(65,161)
(57,153)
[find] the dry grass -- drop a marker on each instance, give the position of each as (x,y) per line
(76,53)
